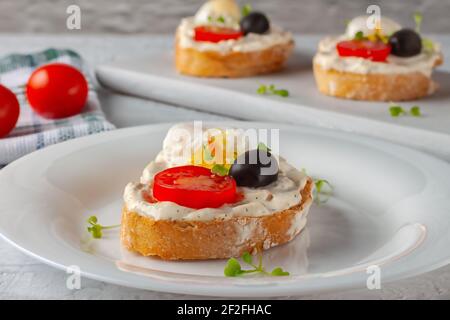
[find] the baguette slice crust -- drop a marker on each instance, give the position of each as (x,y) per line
(374,87)
(192,62)
(213,239)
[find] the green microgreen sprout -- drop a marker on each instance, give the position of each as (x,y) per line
(415,111)
(220,170)
(418,18)
(427,44)
(95,229)
(271,89)
(397,110)
(221,19)
(233,267)
(322,188)
(246,9)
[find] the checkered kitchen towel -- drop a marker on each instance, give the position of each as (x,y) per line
(32,131)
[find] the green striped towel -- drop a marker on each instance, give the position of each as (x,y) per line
(32,131)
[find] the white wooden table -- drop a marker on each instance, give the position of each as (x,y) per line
(22,277)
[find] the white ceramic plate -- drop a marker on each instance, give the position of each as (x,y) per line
(390,208)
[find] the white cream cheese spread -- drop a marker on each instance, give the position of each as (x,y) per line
(328,58)
(277,196)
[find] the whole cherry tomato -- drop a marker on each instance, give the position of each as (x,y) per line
(57,91)
(375,51)
(216,34)
(9,111)
(194,187)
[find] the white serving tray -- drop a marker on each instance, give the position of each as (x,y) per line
(153,76)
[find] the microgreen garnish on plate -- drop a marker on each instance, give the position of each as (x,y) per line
(322,187)
(320,184)
(397,110)
(233,267)
(415,111)
(263,147)
(271,89)
(220,170)
(246,9)
(96,229)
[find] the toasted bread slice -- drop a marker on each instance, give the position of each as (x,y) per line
(213,239)
(190,61)
(372,86)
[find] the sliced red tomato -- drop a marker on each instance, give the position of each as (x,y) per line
(9,111)
(375,51)
(216,34)
(194,187)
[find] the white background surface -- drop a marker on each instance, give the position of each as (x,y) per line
(24,277)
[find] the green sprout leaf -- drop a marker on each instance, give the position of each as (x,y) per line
(263,147)
(396,111)
(233,267)
(418,18)
(279,272)
(92,220)
(272,90)
(247,258)
(246,9)
(415,111)
(220,170)
(321,183)
(282,93)
(95,229)
(428,44)
(262,89)
(359,35)
(322,187)
(323,190)
(221,19)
